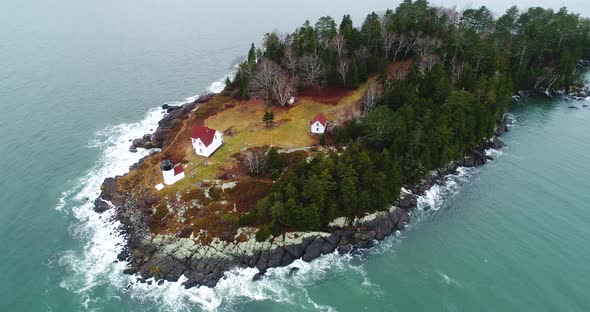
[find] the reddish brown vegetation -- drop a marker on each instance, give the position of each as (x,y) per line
(329,95)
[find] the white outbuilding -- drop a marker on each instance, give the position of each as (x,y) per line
(171,173)
(318,124)
(206,140)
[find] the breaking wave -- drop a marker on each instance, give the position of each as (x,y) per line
(94,268)
(437,195)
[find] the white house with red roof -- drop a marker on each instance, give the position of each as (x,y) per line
(318,124)
(171,173)
(206,140)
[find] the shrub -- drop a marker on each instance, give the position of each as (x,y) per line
(263,233)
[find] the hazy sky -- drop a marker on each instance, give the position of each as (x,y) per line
(578,6)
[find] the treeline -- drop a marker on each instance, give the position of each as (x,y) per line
(443,81)
(330,185)
(538,47)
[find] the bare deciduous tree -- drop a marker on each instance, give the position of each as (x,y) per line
(412,39)
(263,80)
(389,39)
(343,67)
(290,60)
(272,83)
(345,115)
(429,61)
(255,161)
(369,99)
(283,88)
(399,74)
(340,44)
(398,45)
(547,76)
(456,69)
(312,69)
(362,54)
(553,80)
(427,45)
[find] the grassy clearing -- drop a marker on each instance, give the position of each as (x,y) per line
(244,120)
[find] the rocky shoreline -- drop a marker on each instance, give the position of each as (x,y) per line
(168,257)
(577,92)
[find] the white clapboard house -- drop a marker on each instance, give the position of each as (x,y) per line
(318,124)
(206,140)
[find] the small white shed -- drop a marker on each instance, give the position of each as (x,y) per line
(318,124)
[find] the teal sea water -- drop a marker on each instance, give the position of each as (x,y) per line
(79,80)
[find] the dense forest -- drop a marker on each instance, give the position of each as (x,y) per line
(442,80)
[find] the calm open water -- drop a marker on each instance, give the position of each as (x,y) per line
(79,79)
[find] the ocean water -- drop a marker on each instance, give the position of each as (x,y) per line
(79,80)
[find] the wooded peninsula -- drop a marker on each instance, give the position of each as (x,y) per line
(327,135)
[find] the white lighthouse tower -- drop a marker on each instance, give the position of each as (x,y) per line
(171,173)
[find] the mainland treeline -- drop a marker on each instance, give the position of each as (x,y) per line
(443,79)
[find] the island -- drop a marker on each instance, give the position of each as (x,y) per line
(324,138)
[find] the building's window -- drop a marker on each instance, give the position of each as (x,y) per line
(201,150)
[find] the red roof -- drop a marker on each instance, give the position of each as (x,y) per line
(178,170)
(206,134)
(319,117)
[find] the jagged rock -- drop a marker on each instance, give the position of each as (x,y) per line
(258,276)
(295,250)
(292,271)
(274,259)
(497,143)
(314,249)
(494,143)
(262,263)
(474,159)
(130,271)
(344,249)
(408,201)
(523,94)
(100,205)
(502,126)
(138,163)
(143,142)
(377,228)
(124,254)
(330,244)
(287,259)
(363,244)
(400,218)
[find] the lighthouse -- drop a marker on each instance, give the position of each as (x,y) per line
(170,172)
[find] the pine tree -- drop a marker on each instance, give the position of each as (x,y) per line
(268,118)
(252,55)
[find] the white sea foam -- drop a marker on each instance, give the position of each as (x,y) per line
(218,86)
(435,197)
(94,267)
(494,152)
